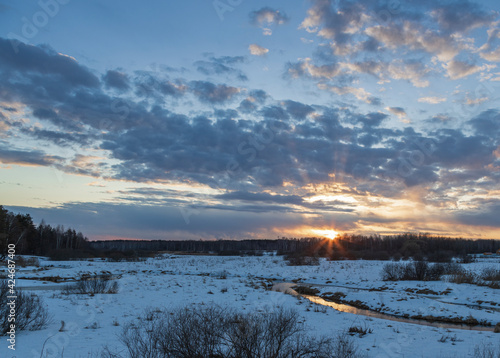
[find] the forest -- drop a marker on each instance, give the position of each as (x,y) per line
(41,240)
(60,244)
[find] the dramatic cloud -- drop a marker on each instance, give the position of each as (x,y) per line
(225,145)
(104,220)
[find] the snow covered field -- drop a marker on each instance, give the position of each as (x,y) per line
(244,283)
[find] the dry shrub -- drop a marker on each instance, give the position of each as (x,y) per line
(217,332)
(93,284)
(31,313)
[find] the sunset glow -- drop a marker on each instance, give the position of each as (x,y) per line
(283,119)
(330,234)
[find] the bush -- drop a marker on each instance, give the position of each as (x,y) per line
(344,347)
(490,274)
(217,332)
(31,313)
(463,276)
(416,271)
(93,284)
(466,259)
(488,277)
(27,261)
(361,331)
(486,351)
(306,290)
(298,259)
(392,272)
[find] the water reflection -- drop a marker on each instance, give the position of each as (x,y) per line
(287,288)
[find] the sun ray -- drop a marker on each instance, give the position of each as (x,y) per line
(328,233)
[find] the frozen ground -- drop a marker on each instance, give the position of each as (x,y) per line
(244,283)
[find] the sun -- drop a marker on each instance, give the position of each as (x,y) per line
(330,234)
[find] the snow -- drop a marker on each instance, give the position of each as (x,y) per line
(244,283)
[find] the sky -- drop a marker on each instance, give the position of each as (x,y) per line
(238,119)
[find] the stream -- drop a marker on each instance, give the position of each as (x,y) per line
(288,288)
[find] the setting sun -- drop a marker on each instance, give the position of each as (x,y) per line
(331,234)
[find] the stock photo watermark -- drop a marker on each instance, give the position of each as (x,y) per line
(32,25)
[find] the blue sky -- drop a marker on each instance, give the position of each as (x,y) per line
(251,119)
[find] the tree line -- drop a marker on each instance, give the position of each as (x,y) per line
(418,246)
(42,240)
(60,243)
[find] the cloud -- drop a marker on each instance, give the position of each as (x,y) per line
(455,149)
(370,120)
(459,69)
(257,50)
(432,100)
(411,71)
(44,61)
(212,93)
(306,68)
(274,112)
(223,65)
(486,123)
(251,146)
(492,56)
(440,118)
(416,37)
(57,137)
(160,222)
(25,157)
(298,110)
(266,17)
(153,85)
(475,99)
(261,197)
(462,16)
(338,24)
(397,111)
(486,51)
(359,93)
(486,213)
(116,79)
(253,101)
